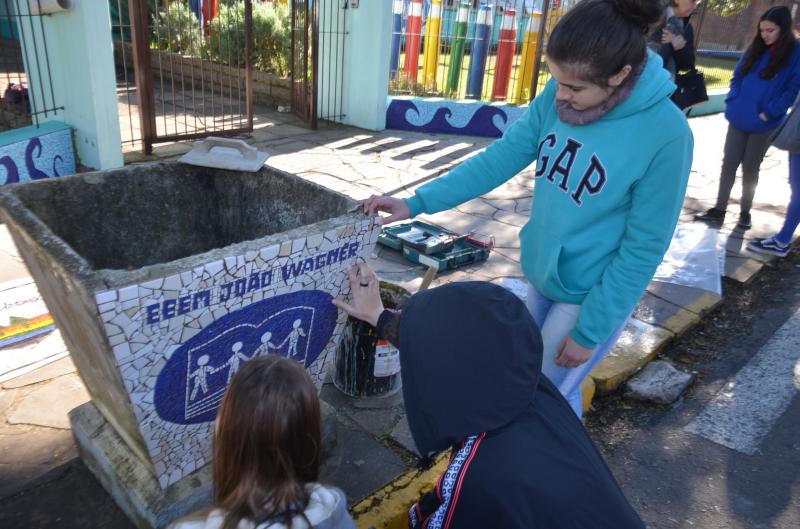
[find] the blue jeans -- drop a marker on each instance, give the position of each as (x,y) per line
(556,320)
(793,211)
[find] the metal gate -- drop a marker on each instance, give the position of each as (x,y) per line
(193,70)
(305,40)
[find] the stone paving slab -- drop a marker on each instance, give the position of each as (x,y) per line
(657,311)
(639,343)
(741,269)
(63,366)
(49,404)
(692,299)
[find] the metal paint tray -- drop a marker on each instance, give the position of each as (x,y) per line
(450,250)
(225,153)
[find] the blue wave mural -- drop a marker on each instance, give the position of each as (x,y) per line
(450,117)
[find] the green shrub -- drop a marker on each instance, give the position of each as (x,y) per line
(177,29)
(271,37)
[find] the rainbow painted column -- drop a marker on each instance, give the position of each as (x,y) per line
(413,28)
(457,49)
(433,28)
(480,50)
(527,63)
(397,37)
(507,40)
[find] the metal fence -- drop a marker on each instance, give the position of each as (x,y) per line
(190,73)
(25,70)
(471,50)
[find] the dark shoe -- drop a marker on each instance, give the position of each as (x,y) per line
(712,216)
(768,245)
(744,222)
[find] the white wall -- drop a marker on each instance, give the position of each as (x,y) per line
(81,62)
(365,62)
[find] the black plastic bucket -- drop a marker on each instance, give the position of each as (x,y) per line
(366,367)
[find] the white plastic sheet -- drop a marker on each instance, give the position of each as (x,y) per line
(695,258)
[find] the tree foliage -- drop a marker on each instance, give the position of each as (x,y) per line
(727,7)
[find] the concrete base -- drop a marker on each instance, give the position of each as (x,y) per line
(135,490)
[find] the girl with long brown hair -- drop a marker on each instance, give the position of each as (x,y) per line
(267,455)
(765,83)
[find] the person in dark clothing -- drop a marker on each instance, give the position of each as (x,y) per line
(674,39)
(471,356)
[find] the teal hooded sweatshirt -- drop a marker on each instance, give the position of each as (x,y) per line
(607,196)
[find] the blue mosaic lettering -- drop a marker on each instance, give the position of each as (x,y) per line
(253,283)
(203,296)
(152,313)
(168,309)
(333,256)
(184,304)
(225,292)
(266,279)
(291,270)
(354,249)
(241,287)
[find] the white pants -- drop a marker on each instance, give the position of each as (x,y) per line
(556,320)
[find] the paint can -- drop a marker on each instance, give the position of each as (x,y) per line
(364,365)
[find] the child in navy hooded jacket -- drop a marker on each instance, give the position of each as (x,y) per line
(470,356)
(765,83)
(609,183)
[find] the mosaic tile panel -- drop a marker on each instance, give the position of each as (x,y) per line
(471,118)
(178,340)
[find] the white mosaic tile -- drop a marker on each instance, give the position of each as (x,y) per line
(129,293)
(178,330)
(105,297)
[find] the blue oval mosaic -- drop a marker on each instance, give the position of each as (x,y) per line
(297,325)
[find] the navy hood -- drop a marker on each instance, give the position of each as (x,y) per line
(471,356)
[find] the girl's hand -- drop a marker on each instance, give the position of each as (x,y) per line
(678,42)
(571,353)
(667,36)
(763,117)
(365,294)
(396,207)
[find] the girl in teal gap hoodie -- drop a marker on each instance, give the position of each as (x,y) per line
(612,156)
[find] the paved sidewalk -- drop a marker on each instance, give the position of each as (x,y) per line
(36,449)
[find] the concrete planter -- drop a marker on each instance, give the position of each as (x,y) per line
(164,278)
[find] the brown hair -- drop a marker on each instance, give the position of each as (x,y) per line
(597,38)
(781,17)
(267,442)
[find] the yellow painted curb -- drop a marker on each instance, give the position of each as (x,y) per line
(746,271)
(639,343)
(704,303)
(587,390)
(387,508)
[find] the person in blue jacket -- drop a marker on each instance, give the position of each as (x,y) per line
(613,155)
(765,83)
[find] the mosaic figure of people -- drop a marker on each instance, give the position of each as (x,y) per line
(265,346)
(235,360)
(293,338)
(200,376)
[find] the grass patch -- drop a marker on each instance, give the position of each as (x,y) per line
(718,72)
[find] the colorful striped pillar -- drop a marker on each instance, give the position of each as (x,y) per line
(507,41)
(527,63)
(397,37)
(433,28)
(413,27)
(457,48)
(480,49)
